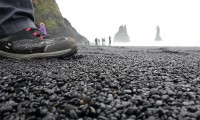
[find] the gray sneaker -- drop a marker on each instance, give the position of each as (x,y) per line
(31,43)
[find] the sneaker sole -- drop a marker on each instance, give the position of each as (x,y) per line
(63,53)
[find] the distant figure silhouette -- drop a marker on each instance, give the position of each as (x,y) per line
(87,43)
(158,34)
(96,41)
(103,41)
(109,41)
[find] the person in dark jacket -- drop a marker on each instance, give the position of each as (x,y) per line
(109,40)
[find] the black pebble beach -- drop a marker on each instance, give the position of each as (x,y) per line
(104,83)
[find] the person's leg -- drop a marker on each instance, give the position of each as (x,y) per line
(17,15)
(19,37)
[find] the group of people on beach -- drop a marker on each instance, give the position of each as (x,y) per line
(97,41)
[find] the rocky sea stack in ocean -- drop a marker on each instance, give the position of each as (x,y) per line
(158,38)
(47,11)
(122,35)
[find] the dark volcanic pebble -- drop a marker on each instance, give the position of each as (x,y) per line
(103,83)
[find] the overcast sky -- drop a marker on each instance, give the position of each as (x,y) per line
(179,20)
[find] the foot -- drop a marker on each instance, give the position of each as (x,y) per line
(31,43)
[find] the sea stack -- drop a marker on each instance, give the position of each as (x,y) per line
(158,38)
(122,35)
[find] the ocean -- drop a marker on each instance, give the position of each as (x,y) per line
(171,43)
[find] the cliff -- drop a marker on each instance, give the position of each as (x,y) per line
(122,35)
(47,11)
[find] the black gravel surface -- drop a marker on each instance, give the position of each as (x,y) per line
(104,83)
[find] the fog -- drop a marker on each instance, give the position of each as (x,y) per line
(179,20)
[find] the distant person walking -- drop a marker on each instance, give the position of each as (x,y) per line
(43,28)
(88,43)
(109,40)
(103,41)
(96,41)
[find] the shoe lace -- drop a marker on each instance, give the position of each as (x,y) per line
(36,32)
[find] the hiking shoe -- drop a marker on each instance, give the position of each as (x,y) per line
(31,43)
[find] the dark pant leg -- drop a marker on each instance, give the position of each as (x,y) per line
(15,15)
